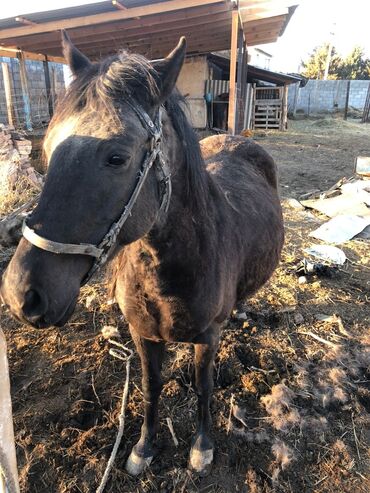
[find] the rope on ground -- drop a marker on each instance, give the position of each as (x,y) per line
(125,354)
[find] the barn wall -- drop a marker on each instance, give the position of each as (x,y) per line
(36,88)
(191,83)
(320,96)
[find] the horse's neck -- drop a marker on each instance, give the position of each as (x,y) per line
(181,226)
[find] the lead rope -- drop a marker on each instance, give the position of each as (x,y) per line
(124,354)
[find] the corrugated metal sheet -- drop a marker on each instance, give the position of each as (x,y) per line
(256,73)
(70,12)
(217,87)
(150,33)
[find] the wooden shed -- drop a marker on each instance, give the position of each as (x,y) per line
(152,27)
(266,100)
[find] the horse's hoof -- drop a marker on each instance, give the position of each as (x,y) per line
(201,461)
(135,464)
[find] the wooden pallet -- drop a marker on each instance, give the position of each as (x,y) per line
(267,108)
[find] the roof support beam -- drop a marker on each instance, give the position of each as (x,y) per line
(156,8)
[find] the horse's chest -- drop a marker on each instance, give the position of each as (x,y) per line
(153,315)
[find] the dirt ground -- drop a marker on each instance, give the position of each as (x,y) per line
(298,385)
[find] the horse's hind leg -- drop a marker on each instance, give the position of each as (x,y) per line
(201,453)
(151,355)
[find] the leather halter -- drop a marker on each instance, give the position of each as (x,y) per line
(102,251)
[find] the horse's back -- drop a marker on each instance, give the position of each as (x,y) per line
(245,175)
(226,155)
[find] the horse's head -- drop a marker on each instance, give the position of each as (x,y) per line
(95,147)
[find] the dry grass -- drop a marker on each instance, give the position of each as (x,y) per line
(14,198)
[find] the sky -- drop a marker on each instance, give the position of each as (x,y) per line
(310,26)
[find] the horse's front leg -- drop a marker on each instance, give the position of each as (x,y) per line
(201,453)
(151,355)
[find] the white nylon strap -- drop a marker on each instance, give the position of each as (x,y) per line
(55,247)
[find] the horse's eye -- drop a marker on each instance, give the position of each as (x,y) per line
(116,160)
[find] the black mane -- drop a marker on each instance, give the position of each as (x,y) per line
(196,176)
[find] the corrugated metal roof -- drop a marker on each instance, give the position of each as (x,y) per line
(70,12)
(256,73)
(146,27)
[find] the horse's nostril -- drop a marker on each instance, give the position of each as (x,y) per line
(35,305)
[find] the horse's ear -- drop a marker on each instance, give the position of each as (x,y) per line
(169,68)
(76,60)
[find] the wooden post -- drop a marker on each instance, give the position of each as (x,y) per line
(244,70)
(231,121)
(284,113)
(253,117)
(8,88)
(296,94)
(8,460)
(239,83)
(248,107)
(347,100)
(25,92)
(243,101)
(49,94)
(54,83)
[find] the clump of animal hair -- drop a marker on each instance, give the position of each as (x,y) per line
(251,436)
(279,405)
(256,435)
(314,424)
(284,456)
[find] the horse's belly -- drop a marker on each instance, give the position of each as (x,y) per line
(259,267)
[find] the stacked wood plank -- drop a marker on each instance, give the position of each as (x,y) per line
(268,108)
(15,161)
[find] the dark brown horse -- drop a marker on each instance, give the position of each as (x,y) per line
(193,229)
